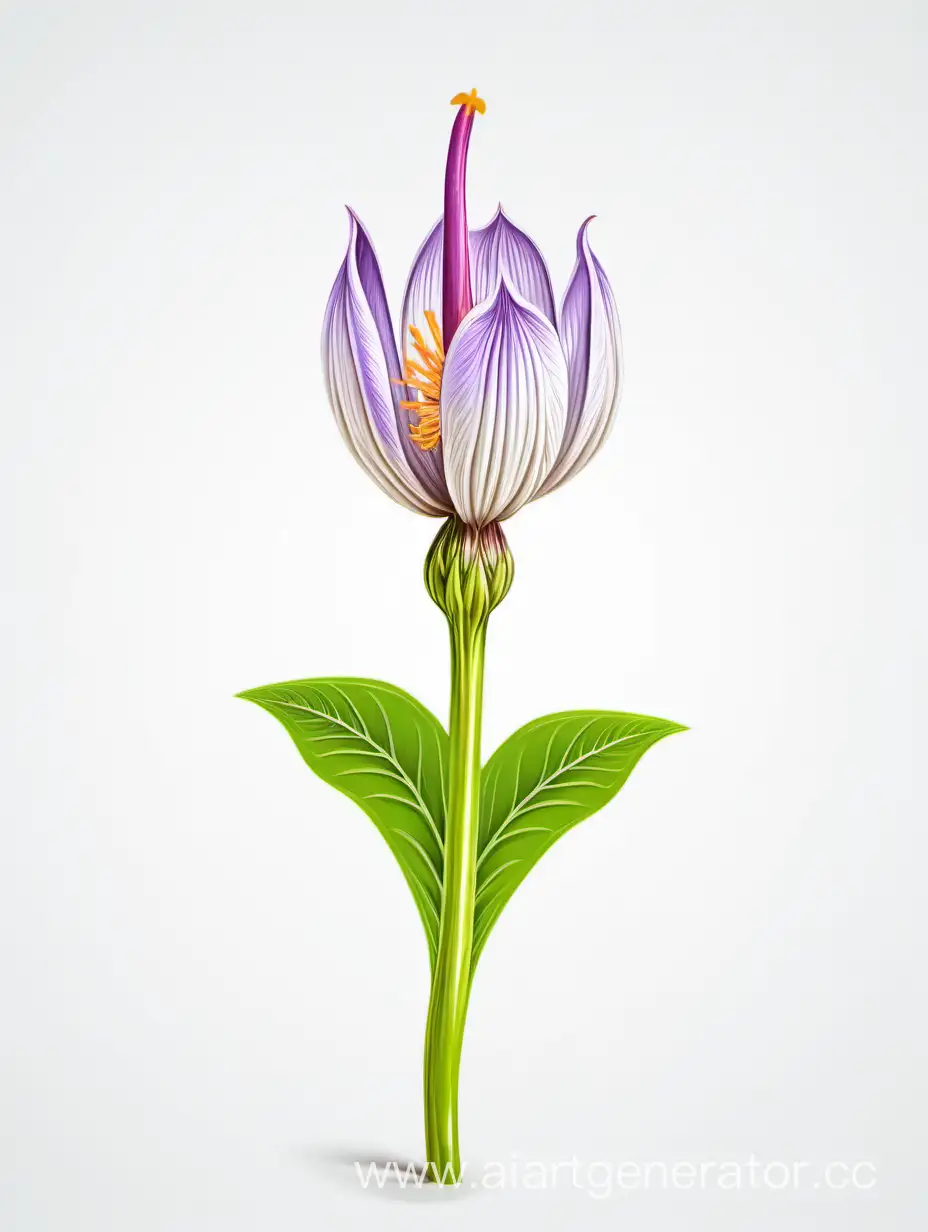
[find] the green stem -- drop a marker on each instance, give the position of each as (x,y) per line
(444,1032)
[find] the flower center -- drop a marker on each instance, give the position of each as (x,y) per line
(424,375)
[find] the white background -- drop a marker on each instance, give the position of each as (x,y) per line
(214,981)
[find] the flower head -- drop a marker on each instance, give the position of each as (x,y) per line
(495,401)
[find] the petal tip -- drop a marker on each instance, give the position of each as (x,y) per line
(582,237)
(506,290)
(357,226)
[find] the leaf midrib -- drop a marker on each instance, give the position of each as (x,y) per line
(546,782)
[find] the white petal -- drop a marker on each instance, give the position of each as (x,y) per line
(498,248)
(358,379)
(502,248)
(423,287)
(592,342)
(503,406)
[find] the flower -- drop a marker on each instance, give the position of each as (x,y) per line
(496,401)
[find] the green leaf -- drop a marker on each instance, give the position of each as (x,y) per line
(545,778)
(383,749)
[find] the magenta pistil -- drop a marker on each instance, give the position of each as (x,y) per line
(457,296)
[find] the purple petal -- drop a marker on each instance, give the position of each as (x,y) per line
(423,287)
(503,405)
(359,359)
(423,293)
(501,247)
(372,287)
(592,342)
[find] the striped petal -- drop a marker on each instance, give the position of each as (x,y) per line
(592,342)
(423,287)
(503,406)
(500,247)
(423,294)
(359,359)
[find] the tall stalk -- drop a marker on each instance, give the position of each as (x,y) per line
(444,1032)
(467,574)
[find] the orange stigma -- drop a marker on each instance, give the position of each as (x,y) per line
(424,375)
(471,101)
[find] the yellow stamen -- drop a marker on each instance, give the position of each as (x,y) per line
(471,102)
(425,353)
(412,366)
(435,329)
(425,378)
